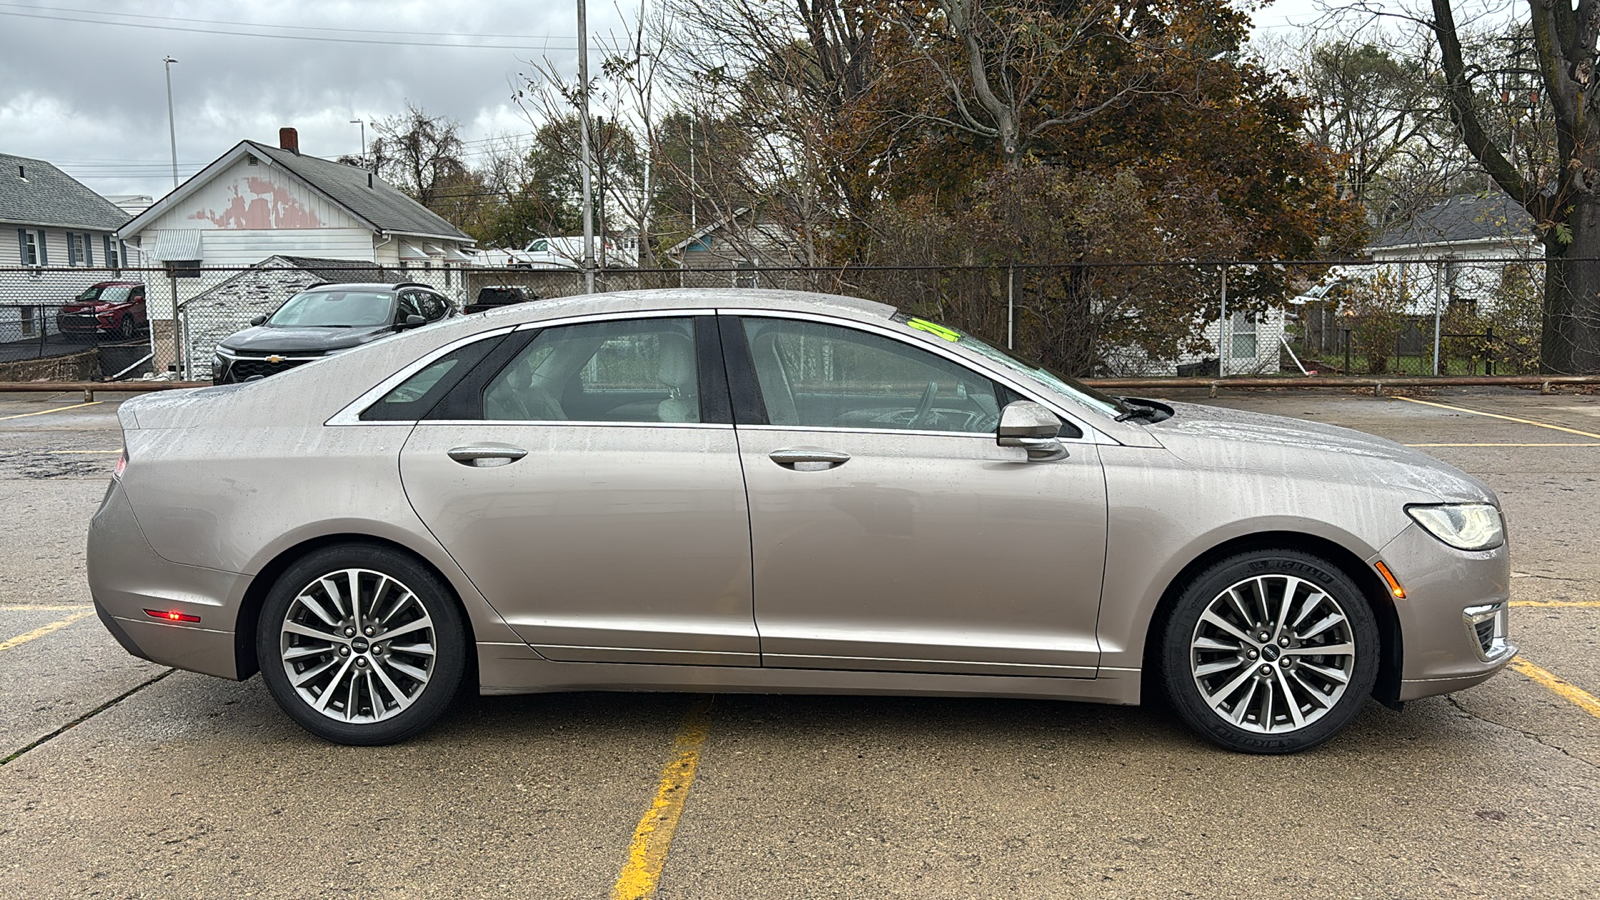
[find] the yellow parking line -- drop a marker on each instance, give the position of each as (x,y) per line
(647,852)
(1478,412)
(1565,689)
(40,632)
(57,409)
(118,450)
(1506,445)
(24,607)
(1558,604)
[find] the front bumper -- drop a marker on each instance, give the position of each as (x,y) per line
(1454,615)
(127,578)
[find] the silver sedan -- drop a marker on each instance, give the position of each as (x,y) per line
(771,491)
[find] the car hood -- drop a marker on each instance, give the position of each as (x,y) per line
(1219,438)
(274,339)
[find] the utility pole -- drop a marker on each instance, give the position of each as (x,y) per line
(583,137)
(172,128)
(363,124)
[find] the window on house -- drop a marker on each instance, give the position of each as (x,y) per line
(1243,327)
(746,276)
(29,243)
(113,254)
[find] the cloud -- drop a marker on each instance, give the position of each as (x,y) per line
(90,96)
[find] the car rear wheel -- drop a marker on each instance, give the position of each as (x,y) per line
(1272,651)
(361,645)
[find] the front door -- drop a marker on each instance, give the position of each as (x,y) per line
(890,531)
(590,488)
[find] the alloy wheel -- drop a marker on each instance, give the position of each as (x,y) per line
(1273,654)
(358,646)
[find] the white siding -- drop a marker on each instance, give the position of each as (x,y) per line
(255,198)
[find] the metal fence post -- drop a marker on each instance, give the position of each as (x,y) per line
(177,332)
(1011,307)
(1438,290)
(1224,347)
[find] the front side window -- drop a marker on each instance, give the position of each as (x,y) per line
(410,305)
(433,306)
(826,376)
(335,309)
(632,370)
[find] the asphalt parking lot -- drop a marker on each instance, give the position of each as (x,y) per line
(124,779)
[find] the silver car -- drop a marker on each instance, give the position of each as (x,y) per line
(771,491)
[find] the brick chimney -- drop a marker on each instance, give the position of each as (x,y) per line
(289,139)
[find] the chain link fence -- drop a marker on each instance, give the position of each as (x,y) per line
(1117,319)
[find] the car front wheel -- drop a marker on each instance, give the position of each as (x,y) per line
(361,645)
(1271,651)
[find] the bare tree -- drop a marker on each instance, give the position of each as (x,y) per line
(419,153)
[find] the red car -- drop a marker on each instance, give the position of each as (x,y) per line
(110,309)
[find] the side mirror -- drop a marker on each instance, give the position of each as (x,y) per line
(413,321)
(259,320)
(1030,426)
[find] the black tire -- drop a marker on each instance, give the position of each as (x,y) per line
(374,690)
(1271,692)
(126,329)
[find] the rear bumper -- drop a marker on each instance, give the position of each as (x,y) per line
(127,578)
(1445,588)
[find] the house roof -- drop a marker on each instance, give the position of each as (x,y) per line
(1466,219)
(382,207)
(335,271)
(33,192)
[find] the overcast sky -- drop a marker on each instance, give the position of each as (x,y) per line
(85,87)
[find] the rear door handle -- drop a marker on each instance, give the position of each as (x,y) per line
(487,455)
(808,459)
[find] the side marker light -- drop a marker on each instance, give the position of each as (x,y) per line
(1394,586)
(171,615)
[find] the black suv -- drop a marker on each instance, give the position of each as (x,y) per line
(324,320)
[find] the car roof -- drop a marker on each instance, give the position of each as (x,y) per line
(376,286)
(666,299)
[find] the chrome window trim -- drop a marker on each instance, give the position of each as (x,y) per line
(351,413)
(985,436)
(1091,435)
(562,423)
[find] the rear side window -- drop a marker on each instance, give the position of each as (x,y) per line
(415,396)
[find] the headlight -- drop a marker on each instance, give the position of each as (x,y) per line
(1464,526)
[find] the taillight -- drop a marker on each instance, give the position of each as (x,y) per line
(122,465)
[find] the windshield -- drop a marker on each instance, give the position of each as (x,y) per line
(335,309)
(116,293)
(1061,384)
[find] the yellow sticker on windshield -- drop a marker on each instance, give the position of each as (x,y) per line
(935,329)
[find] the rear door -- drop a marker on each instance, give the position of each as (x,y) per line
(588,482)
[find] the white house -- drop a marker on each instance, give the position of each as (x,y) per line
(255,202)
(57,237)
(1454,252)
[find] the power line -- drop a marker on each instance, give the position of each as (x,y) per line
(123,15)
(293,37)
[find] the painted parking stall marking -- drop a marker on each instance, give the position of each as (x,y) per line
(43,630)
(44,412)
(647,852)
(1558,685)
(1501,417)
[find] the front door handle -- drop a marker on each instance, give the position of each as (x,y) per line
(808,459)
(486,455)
